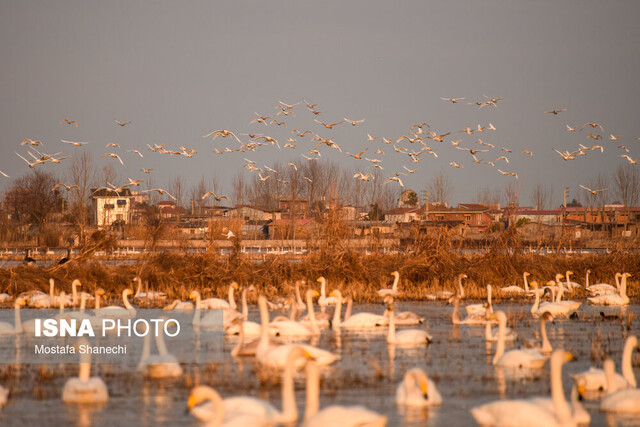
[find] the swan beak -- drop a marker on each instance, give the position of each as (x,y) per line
(191,403)
(235,286)
(318,279)
(23,302)
(581,391)
(569,357)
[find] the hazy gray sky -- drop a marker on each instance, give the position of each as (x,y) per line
(179,70)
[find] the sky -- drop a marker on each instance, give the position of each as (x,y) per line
(179,70)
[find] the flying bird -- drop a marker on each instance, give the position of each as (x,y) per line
(223,133)
(615,137)
(30,142)
(555,112)
(218,198)
(455,165)
(67,187)
(370,138)
(327,125)
(593,125)
(122,123)
(111,144)
(146,170)
(508,173)
(74,143)
(409,170)
(293,166)
(353,122)
(159,191)
(263,178)
(629,159)
(359,155)
(135,183)
(396,179)
(453,100)
(69,122)
(136,151)
(114,155)
(570,129)
(594,192)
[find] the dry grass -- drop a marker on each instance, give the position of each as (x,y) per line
(349,271)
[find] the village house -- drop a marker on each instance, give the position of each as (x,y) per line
(109,206)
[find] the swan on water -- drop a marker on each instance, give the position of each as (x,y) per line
(405,337)
(613,299)
(394,288)
(417,390)
(85,389)
(625,401)
(533,411)
(517,358)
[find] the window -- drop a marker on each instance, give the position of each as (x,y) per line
(109,206)
(119,217)
(122,202)
(467,217)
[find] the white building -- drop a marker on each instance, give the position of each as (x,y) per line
(108,206)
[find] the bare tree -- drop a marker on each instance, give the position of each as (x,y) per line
(82,174)
(31,200)
(177,188)
(626,185)
(488,196)
(440,189)
(240,190)
(541,196)
(197,191)
(109,175)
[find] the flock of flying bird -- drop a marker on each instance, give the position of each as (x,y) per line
(274,357)
(420,139)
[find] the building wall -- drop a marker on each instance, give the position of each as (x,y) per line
(107,210)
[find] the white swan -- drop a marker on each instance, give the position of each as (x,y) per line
(151,296)
(405,337)
(518,358)
(334,415)
(43,300)
(212,319)
(84,388)
(161,365)
(603,288)
(358,320)
(276,357)
(533,411)
(179,305)
(625,401)
(246,405)
(4,395)
(544,346)
(292,328)
(325,300)
(473,319)
(594,379)
(248,327)
(571,286)
(556,309)
(9,329)
(75,295)
(403,318)
(417,390)
(516,290)
(217,303)
(115,311)
(573,305)
(613,299)
(5,297)
(394,289)
(448,294)
(472,309)
(491,333)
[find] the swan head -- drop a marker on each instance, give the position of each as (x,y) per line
(100,291)
(234,285)
(499,316)
(632,340)
(320,279)
(568,273)
(127,292)
(51,281)
(588,271)
(526,273)
(313,293)
(534,284)
(559,277)
(547,316)
(454,299)
(76,282)
(20,302)
(200,394)
(136,279)
(419,377)
(395,274)
(463,276)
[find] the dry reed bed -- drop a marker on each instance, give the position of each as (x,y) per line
(351,272)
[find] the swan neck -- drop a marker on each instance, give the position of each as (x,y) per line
(391,335)
(323,286)
(85,367)
(162,346)
(264,319)
(240,343)
(395,282)
(51,290)
(97,298)
(245,308)
(125,300)
(560,405)
(546,345)
(627,369)
(335,323)
(526,282)
(16,318)
(298,297)
(139,289)
(460,286)
(83,302)
(196,311)
(347,312)
(74,293)
(312,314)
(289,407)
(313,390)
(536,303)
(500,346)
(455,317)
(232,301)
(146,348)
(586,280)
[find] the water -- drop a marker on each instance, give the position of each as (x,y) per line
(458,360)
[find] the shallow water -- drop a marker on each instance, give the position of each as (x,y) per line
(458,360)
